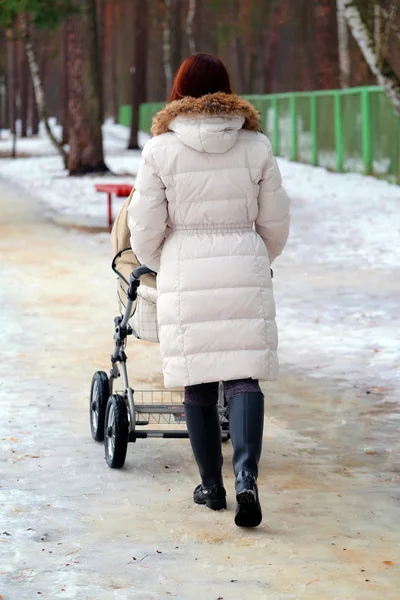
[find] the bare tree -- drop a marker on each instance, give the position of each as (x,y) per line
(343,46)
(279,17)
(12,77)
(382,69)
(38,87)
(114,23)
(85,136)
(64,83)
(167,44)
(189,26)
(93,87)
(139,74)
(327,45)
(24,79)
(378,29)
(176,34)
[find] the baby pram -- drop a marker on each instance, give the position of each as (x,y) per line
(121,416)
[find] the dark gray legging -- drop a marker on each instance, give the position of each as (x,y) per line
(206,394)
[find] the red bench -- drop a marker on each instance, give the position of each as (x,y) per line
(120,190)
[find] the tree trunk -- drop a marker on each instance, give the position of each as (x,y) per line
(343,46)
(382,70)
(189,26)
(38,88)
(33,110)
(378,29)
(113,61)
(139,74)
(167,46)
(101,10)
(3,84)
(93,88)
(327,45)
(278,19)
(64,90)
(176,35)
(24,91)
(11,80)
(85,135)
(34,120)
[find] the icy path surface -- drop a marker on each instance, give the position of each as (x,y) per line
(330,486)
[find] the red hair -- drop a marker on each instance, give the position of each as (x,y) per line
(199,75)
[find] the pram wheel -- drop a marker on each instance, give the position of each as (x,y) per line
(99,394)
(116,431)
(225,430)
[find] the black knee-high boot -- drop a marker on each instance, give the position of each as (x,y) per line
(246,425)
(204,429)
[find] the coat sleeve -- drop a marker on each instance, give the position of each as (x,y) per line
(273,219)
(148,213)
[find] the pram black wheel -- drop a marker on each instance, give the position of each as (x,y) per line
(99,394)
(116,432)
(225,432)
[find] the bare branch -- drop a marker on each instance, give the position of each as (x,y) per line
(189,26)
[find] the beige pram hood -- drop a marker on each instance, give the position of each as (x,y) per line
(120,239)
(143,317)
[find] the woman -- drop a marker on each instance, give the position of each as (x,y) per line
(209,215)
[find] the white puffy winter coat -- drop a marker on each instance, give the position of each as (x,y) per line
(209,214)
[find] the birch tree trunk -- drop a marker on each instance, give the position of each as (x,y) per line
(189,26)
(38,88)
(343,46)
(33,111)
(382,70)
(167,46)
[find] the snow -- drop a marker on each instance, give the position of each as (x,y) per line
(337,284)
(73,200)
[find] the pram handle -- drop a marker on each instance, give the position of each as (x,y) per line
(140,271)
(134,280)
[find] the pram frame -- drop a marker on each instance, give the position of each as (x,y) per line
(126,396)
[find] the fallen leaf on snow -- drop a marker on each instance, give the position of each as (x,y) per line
(388,562)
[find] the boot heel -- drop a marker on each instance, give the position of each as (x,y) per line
(248,511)
(217,504)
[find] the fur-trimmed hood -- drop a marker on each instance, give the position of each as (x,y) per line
(208,124)
(211,105)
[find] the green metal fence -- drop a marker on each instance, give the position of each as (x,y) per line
(352,130)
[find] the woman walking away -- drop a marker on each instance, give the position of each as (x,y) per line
(209,215)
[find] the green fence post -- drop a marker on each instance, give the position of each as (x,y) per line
(339,132)
(275,133)
(293,128)
(314,130)
(366,131)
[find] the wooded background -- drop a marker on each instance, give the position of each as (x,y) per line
(126,51)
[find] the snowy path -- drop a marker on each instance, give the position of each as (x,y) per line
(71,528)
